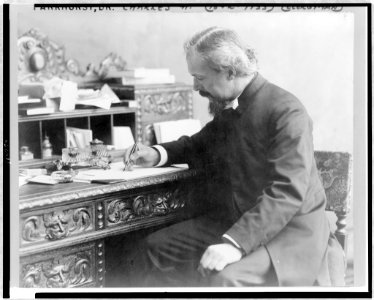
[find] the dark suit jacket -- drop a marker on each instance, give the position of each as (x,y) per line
(262,178)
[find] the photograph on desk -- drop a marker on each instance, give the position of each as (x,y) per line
(219,148)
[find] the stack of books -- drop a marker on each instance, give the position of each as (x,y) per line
(33,106)
(139,76)
(30,100)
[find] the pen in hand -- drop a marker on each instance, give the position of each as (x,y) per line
(128,160)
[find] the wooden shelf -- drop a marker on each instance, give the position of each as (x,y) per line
(32,129)
(154,103)
(77,113)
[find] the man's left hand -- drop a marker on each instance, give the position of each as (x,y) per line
(217,257)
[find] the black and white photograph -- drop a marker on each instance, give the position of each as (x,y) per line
(189,147)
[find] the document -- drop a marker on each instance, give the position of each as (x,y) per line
(172,130)
(116,173)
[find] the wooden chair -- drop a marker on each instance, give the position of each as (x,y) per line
(335,171)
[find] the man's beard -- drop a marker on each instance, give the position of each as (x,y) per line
(216,106)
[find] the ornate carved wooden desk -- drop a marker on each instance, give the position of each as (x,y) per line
(63,227)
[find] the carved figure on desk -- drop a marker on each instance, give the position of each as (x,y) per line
(41,59)
(265,223)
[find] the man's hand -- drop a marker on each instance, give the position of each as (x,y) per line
(216,257)
(144,157)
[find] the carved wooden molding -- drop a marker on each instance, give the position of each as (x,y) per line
(164,103)
(41,59)
(73,268)
(158,203)
(56,225)
(99,190)
(100,264)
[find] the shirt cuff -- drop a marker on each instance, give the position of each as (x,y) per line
(163,155)
(226,236)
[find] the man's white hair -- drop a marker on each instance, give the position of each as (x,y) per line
(222,49)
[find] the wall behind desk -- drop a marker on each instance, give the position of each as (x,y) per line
(309,54)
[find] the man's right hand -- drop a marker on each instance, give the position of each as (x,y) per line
(144,157)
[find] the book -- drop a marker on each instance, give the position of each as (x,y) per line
(126,103)
(146,72)
(28,100)
(172,130)
(170,79)
(149,80)
(25,105)
(33,90)
(35,111)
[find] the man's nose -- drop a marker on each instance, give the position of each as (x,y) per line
(196,85)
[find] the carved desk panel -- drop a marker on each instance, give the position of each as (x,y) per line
(76,266)
(56,223)
(64,227)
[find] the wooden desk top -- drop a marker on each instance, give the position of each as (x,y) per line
(32,196)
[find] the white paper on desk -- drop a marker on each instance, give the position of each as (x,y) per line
(69,95)
(104,99)
(107,92)
(116,173)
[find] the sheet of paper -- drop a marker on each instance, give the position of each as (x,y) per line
(103,99)
(69,95)
(122,137)
(116,173)
(172,130)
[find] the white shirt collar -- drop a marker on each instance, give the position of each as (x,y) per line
(233,104)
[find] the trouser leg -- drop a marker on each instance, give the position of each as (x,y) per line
(171,255)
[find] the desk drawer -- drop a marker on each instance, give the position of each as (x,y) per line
(145,205)
(56,223)
(76,266)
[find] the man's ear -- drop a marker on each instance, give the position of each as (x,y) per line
(231,74)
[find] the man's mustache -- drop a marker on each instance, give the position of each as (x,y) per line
(204,94)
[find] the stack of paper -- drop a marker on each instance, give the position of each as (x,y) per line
(172,130)
(77,137)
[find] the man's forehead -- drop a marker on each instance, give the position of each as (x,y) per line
(197,65)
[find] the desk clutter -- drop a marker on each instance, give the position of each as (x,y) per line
(62,105)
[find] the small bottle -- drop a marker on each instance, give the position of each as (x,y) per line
(46,148)
(26,154)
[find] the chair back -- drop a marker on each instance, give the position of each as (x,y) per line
(335,172)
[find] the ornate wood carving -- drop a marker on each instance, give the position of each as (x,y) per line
(57,224)
(55,270)
(151,204)
(164,103)
(41,59)
(100,215)
(100,267)
(334,169)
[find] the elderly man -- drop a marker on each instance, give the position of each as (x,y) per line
(266,222)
